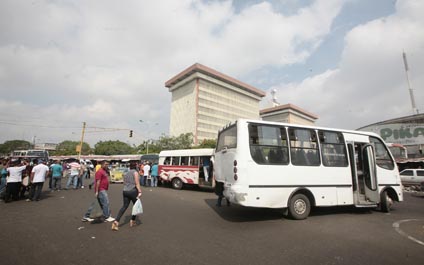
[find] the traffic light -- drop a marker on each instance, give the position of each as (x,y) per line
(131,133)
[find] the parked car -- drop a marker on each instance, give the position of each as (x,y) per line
(412,177)
(116,174)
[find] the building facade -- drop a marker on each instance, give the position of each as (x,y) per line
(407,131)
(288,113)
(204,100)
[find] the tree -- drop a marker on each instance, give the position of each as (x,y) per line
(183,141)
(7,147)
(207,143)
(69,148)
(112,148)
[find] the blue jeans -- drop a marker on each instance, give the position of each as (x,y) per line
(142,180)
(2,183)
(57,183)
(154,181)
(72,179)
(104,203)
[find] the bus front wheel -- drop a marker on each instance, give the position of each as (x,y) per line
(177,184)
(385,202)
(299,207)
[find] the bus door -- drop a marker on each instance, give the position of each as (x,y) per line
(206,172)
(364,174)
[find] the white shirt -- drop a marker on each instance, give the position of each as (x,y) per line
(146,170)
(40,172)
(15,174)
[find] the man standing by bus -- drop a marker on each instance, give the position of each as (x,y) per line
(206,162)
(146,171)
(38,176)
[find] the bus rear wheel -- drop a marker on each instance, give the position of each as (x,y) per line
(385,202)
(299,207)
(177,184)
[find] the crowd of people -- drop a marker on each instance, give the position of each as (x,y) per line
(24,179)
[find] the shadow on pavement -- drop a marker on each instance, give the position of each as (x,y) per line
(236,213)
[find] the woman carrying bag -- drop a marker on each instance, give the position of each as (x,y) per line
(131,192)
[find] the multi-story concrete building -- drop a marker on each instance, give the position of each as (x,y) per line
(288,113)
(204,100)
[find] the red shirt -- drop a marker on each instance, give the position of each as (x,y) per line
(102,175)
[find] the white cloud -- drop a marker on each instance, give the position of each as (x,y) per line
(369,84)
(106,62)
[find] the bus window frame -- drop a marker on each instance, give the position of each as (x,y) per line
(260,152)
(301,152)
(326,162)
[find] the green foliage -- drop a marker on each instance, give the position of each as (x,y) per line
(183,141)
(7,147)
(207,143)
(113,148)
(69,148)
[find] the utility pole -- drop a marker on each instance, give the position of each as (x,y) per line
(79,148)
(411,91)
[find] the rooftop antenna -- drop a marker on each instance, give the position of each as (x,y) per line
(274,98)
(411,91)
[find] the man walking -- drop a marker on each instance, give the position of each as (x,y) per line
(101,186)
(75,168)
(38,176)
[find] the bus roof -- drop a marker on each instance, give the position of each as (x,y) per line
(187,152)
(301,126)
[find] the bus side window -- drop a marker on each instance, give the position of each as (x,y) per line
(167,161)
(268,144)
(175,160)
(194,161)
(333,149)
(304,147)
(257,154)
(184,160)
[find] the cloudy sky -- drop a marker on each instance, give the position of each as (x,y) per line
(65,62)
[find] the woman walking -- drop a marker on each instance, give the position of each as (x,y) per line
(131,192)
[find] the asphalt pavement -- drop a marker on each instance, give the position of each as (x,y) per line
(185,227)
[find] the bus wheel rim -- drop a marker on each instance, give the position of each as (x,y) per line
(300,206)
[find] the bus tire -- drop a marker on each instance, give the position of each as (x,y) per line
(299,207)
(385,202)
(177,184)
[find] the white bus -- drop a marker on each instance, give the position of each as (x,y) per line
(278,165)
(30,154)
(188,166)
